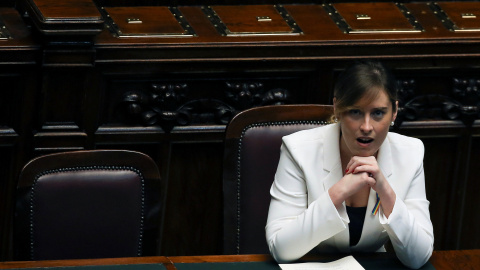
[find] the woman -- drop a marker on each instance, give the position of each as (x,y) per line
(351,186)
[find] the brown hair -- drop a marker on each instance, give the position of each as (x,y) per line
(363,79)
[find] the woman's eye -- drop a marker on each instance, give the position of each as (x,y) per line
(378,113)
(354,112)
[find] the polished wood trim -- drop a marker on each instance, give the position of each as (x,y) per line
(80,17)
(221,258)
(445,259)
(456,259)
(90,262)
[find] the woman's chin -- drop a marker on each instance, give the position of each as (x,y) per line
(366,153)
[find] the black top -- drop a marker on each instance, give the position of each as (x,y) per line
(356,216)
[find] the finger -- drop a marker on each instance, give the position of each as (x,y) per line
(366,179)
(349,168)
(365,168)
(371,181)
(365,160)
(354,163)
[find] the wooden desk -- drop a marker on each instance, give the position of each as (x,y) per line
(441,260)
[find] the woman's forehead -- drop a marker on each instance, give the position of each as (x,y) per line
(376,97)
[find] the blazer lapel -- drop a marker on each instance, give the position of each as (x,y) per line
(385,159)
(371,225)
(332,165)
(331,157)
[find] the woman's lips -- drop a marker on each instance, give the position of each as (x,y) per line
(364,141)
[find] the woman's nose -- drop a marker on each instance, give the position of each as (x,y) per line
(366,126)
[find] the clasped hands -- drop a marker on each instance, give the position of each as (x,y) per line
(359,173)
(362,171)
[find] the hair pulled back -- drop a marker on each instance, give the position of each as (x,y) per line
(363,79)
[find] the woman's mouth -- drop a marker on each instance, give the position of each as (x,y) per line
(364,141)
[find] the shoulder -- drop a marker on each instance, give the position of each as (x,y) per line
(308,136)
(404,143)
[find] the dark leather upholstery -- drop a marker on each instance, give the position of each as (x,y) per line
(252,151)
(88,204)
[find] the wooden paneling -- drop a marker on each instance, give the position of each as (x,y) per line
(190,189)
(469,231)
(19,81)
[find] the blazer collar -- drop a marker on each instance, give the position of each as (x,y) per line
(331,153)
(384,158)
(332,164)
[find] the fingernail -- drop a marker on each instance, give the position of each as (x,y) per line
(346,171)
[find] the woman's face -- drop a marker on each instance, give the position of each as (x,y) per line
(365,126)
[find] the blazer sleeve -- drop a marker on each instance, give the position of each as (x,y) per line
(409,226)
(294,227)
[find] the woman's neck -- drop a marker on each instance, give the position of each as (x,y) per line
(345,154)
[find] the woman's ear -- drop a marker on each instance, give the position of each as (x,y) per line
(334,112)
(394,116)
(335,117)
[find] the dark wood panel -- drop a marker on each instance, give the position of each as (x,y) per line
(18,85)
(7,186)
(193,217)
(442,177)
(470,231)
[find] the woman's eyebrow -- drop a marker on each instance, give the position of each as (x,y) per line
(381,108)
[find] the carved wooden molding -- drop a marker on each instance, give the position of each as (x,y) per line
(463,104)
(169,105)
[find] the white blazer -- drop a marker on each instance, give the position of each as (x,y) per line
(302,216)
